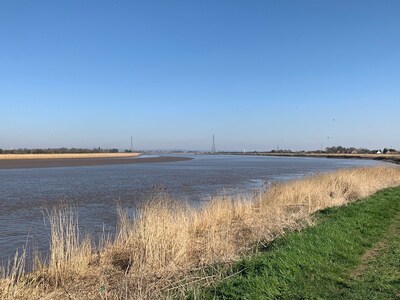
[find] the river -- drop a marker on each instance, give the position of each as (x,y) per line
(25,193)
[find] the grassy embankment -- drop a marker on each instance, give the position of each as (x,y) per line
(170,247)
(65,155)
(352,253)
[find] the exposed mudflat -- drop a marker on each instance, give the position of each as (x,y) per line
(79,162)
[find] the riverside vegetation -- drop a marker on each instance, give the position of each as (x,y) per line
(352,253)
(169,248)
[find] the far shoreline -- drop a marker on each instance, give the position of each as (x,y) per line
(8,156)
(395,159)
(84,162)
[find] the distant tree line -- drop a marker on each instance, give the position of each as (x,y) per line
(389,150)
(281,151)
(340,149)
(57,151)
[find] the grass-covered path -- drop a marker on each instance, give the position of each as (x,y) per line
(353,252)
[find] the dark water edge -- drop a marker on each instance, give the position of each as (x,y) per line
(94,190)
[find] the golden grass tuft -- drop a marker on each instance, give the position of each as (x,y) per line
(169,245)
(12,276)
(70,253)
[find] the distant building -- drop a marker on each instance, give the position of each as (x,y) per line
(379,152)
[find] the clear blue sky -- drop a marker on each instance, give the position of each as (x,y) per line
(257,74)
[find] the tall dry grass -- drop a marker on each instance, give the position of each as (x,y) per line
(169,245)
(11,276)
(65,155)
(70,253)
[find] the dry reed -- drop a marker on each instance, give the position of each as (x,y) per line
(168,245)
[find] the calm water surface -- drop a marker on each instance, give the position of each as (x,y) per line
(25,192)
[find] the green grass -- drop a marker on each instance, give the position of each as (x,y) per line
(324,261)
